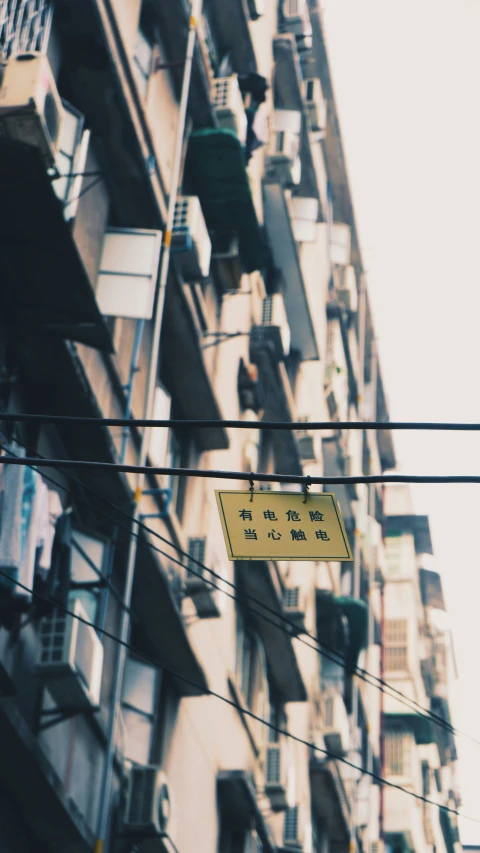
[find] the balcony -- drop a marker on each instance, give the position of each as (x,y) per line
(330,801)
(45,289)
(185,368)
(238,802)
(288,95)
(404,827)
(260,580)
(286,258)
(330,631)
(232,21)
(278,402)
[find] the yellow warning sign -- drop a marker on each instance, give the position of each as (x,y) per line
(283,526)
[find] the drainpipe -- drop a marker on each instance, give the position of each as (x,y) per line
(382,676)
(124,631)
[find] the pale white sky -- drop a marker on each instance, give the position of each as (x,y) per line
(407,80)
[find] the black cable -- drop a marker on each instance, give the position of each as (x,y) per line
(206,473)
(207,691)
(240,596)
(12,417)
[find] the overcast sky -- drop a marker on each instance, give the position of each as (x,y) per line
(407,82)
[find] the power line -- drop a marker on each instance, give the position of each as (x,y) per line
(241,596)
(237,706)
(443,426)
(206,473)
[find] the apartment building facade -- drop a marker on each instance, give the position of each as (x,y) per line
(266,315)
(419,661)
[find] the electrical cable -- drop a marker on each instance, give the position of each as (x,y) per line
(207,473)
(240,596)
(207,691)
(445,426)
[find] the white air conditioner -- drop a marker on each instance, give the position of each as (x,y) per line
(203,594)
(296,17)
(276,776)
(71,659)
(275,324)
(190,240)
(294,606)
(228,105)
(148,805)
(346,287)
(30,107)
(293,830)
(304,218)
(336,731)
(340,239)
(284,145)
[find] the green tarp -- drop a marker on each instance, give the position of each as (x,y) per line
(217,173)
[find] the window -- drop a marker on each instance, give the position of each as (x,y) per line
(397,752)
(141,685)
(400,551)
(71,159)
(142,61)
(88,559)
(396,645)
(251,672)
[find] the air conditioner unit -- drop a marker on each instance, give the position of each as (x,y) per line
(346,287)
(316,104)
(228,105)
(276,777)
(190,240)
(148,805)
(284,146)
(304,218)
(203,594)
(30,107)
(275,328)
(336,730)
(226,261)
(71,659)
(256,8)
(294,606)
(340,239)
(296,18)
(292,828)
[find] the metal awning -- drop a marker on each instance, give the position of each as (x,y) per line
(421,726)
(330,631)
(418,525)
(162,624)
(288,95)
(185,368)
(444,737)
(44,286)
(238,801)
(217,171)
(279,405)
(431,588)
(330,801)
(286,259)
(258,579)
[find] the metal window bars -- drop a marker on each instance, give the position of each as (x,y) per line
(24,27)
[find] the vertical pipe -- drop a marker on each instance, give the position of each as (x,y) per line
(103,604)
(382,676)
(149,398)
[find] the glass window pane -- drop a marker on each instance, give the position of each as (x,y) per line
(140,685)
(138,736)
(81,570)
